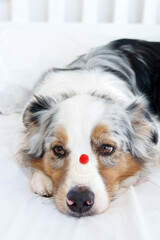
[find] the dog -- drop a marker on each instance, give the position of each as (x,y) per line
(91,129)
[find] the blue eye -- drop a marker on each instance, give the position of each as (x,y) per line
(106,150)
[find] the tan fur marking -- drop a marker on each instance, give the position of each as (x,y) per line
(112,176)
(125,165)
(61,135)
(101,134)
(45,163)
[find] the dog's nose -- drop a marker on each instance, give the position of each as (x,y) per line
(80,201)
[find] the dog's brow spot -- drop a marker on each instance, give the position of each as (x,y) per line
(101,134)
(61,134)
(99,131)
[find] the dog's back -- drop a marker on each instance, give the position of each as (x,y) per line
(135,61)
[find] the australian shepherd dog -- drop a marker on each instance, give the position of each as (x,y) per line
(91,129)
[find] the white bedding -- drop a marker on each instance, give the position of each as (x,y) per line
(24,215)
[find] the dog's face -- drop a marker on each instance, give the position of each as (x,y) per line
(88,146)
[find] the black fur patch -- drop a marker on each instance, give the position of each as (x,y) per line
(132,107)
(66,69)
(104,96)
(154,137)
(116,72)
(36,107)
(147,116)
(42,103)
(144,58)
(35,118)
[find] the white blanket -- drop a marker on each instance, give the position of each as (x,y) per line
(25,215)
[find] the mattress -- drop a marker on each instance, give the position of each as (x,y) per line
(135,215)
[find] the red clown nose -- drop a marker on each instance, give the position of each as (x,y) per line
(84,159)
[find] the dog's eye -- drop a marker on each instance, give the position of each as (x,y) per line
(106,150)
(59,151)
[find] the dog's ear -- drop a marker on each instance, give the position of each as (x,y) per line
(36,118)
(38,106)
(142,133)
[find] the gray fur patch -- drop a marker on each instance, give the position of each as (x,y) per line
(42,112)
(132,131)
(107,59)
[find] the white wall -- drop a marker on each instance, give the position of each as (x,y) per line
(38,10)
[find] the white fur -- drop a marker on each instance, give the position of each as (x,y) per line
(95,80)
(41,184)
(79,123)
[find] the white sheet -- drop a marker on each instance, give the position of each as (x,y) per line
(24,215)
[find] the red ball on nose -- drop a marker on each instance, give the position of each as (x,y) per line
(84,159)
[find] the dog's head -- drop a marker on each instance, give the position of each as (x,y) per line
(88,145)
